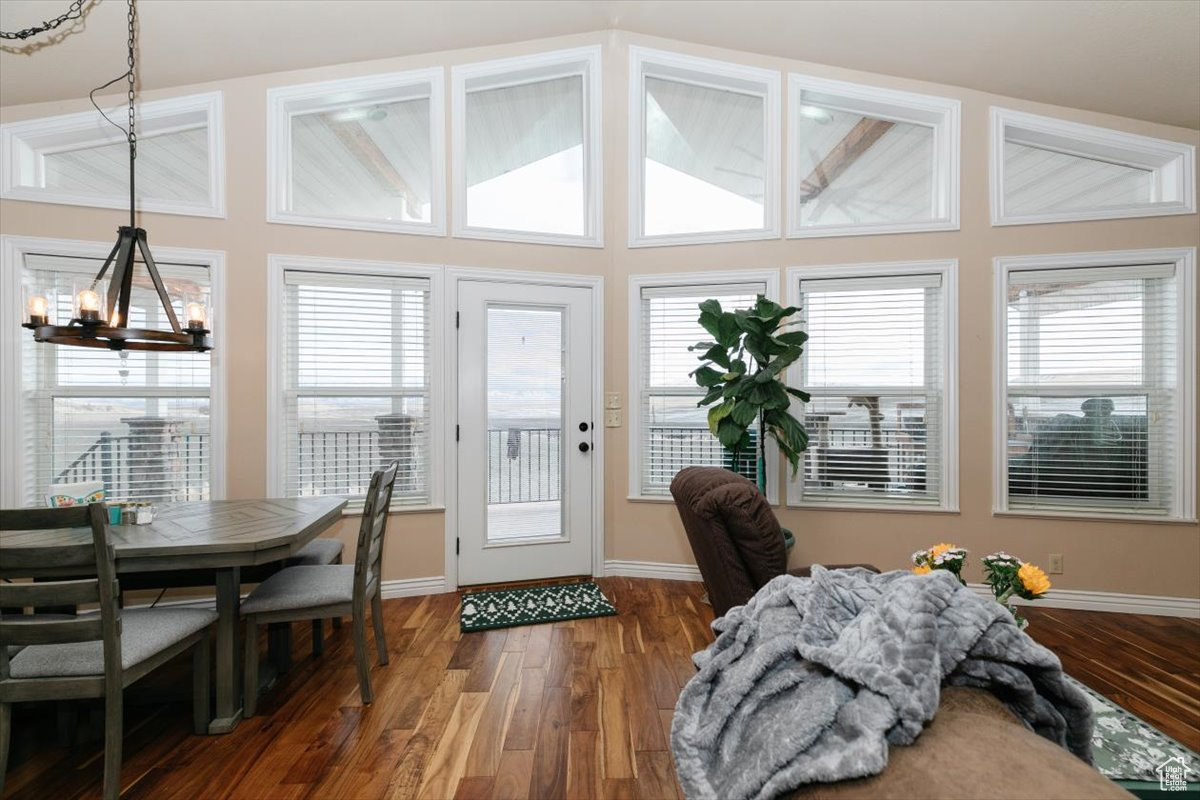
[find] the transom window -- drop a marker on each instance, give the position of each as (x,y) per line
(1051,170)
(704,150)
(364,153)
(867,160)
(80,159)
(527,150)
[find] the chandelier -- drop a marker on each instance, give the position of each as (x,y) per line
(100,311)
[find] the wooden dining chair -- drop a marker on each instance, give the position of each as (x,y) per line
(296,594)
(95,654)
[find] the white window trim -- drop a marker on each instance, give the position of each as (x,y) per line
(639,59)
(946,152)
(14,134)
(593,102)
(13,250)
(948,270)
(349,91)
(277,265)
(1171,161)
(634,418)
(1184,260)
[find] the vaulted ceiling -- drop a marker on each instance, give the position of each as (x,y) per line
(1126,57)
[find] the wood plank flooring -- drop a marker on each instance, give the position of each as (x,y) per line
(578,709)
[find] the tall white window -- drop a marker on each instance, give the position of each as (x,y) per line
(1098,406)
(704,150)
(81,159)
(668,431)
(880,369)
(365,153)
(139,423)
(1050,170)
(527,150)
(356,381)
(868,160)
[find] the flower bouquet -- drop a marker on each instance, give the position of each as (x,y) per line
(1006,575)
(940,556)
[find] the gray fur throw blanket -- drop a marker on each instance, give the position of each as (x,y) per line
(815,677)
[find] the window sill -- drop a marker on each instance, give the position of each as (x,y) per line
(355,508)
(889,508)
(1094,516)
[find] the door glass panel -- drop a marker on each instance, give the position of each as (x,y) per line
(524,415)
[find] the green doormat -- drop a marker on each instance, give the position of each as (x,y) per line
(507,608)
(1129,751)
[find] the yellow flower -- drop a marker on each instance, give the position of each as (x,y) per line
(1033,579)
(938,549)
(922,570)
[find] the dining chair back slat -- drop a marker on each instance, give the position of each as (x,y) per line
(22,630)
(75,593)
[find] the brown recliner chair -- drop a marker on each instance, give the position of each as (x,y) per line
(734,535)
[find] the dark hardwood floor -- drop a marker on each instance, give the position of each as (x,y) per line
(578,709)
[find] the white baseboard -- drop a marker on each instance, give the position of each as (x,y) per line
(1115,602)
(1056,598)
(652,569)
(413,587)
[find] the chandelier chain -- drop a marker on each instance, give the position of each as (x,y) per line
(74,12)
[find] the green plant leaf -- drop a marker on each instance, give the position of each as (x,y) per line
(796,338)
(707,377)
(718,413)
(731,435)
(744,414)
(718,355)
(799,393)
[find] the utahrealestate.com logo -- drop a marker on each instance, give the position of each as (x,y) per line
(1172,775)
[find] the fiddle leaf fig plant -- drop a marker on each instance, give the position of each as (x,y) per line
(743,369)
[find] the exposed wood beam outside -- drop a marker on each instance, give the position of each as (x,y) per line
(359,143)
(858,141)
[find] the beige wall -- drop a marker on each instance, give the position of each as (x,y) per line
(1143,558)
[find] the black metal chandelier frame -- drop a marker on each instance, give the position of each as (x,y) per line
(89,328)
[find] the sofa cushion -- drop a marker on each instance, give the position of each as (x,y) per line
(144,633)
(302,587)
(974,749)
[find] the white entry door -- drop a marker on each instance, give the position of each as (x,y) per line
(525,431)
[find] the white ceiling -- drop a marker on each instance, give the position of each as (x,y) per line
(1132,58)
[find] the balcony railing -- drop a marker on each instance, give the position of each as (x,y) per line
(524,465)
(174,470)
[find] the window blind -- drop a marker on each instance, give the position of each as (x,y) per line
(874,367)
(356,384)
(1090,398)
(136,422)
(673,432)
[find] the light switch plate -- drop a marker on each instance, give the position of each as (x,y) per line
(1056,563)
(612,400)
(612,418)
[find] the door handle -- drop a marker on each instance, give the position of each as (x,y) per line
(584,447)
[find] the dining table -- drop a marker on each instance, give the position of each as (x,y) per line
(213,538)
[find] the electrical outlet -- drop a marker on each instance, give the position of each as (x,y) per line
(612,400)
(1056,564)
(612,418)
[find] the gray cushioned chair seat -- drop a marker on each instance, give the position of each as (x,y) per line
(317,552)
(144,632)
(302,587)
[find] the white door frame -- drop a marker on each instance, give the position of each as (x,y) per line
(596,284)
